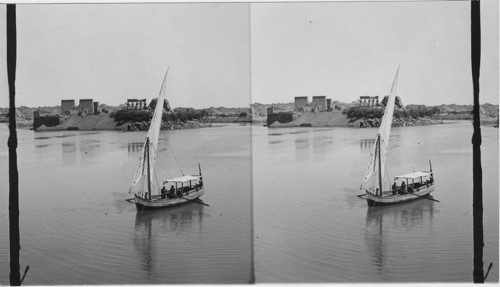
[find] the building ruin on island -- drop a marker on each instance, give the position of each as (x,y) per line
(300,104)
(67,106)
(319,103)
(135,104)
(367,101)
(86,106)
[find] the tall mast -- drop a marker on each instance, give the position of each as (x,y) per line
(379,166)
(149,168)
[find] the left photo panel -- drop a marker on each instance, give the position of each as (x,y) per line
(113,187)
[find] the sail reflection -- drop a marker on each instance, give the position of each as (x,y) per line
(381,220)
(153,227)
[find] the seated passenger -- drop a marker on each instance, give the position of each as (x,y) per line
(394,188)
(163,192)
(403,188)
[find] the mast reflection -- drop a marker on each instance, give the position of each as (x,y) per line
(405,216)
(152,225)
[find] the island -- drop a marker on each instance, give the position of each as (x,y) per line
(134,115)
(364,113)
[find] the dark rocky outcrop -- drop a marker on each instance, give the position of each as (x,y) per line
(398,122)
(169,125)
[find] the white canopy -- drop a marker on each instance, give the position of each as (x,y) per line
(185,178)
(414,175)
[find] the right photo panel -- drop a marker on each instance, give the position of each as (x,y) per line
(361,145)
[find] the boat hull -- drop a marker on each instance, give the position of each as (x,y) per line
(373,199)
(157,202)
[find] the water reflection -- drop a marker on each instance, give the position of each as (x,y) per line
(88,148)
(320,146)
(270,132)
(156,225)
(302,143)
(68,152)
(301,149)
(366,145)
(136,147)
(382,219)
(54,136)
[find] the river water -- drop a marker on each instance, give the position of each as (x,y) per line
(310,226)
(77,228)
(308,223)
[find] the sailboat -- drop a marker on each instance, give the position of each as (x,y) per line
(405,187)
(174,191)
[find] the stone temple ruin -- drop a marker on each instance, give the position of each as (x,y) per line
(367,101)
(318,103)
(300,104)
(67,106)
(85,107)
(134,104)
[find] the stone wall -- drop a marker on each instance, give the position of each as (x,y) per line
(280,117)
(48,121)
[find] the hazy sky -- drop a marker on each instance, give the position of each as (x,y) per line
(114,52)
(111,52)
(345,50)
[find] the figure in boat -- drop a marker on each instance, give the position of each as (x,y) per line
(405,187)
(180,189)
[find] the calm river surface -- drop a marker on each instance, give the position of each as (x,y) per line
(309,225)
(77,228)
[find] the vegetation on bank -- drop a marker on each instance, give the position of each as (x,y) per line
(378,112)
(146,115)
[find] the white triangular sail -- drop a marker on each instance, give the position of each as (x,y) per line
(384,132)
(151,139)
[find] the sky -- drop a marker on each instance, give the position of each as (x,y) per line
(111,53)
(234,54)
(346,50)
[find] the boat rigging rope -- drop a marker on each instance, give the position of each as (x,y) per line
(172,151)
(408,158)
(164,165)
(395,162)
